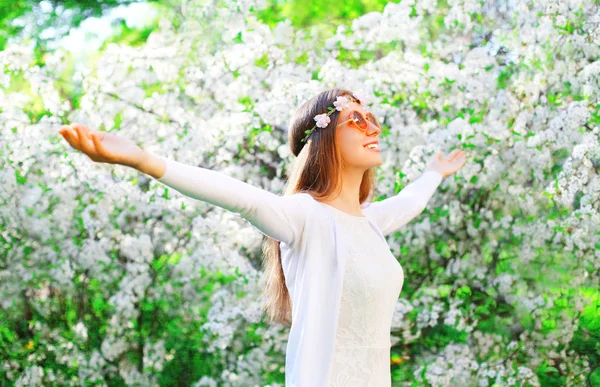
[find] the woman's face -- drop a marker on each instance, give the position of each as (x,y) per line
(351,140)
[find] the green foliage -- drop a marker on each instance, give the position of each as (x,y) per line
(183,334)
(325,13)
(262,62)
(356,59)
(505,74)
(10,10)
(130,36)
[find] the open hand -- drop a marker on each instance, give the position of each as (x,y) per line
(101,146)
(448,165)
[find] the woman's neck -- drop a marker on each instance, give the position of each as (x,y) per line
(348,198)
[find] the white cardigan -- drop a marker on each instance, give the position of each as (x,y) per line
(309,251)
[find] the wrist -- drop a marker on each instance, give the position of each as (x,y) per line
(151,165)
(429,169)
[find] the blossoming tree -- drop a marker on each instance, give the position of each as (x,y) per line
(109,277)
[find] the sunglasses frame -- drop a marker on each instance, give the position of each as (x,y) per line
(378,125)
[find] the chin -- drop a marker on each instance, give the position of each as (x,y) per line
(376,164)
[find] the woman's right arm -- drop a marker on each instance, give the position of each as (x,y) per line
(278,217)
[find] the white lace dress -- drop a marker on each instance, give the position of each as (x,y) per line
(372,283)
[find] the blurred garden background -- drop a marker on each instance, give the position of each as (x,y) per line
(108,278)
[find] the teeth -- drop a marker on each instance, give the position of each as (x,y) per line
(371,146)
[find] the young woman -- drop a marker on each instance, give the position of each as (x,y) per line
(329,274)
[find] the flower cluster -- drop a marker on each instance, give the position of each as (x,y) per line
(517,170)
(322,120)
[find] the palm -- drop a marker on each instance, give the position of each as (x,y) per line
(448,165)
(117,146)
(101,146)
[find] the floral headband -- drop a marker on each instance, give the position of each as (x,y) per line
(341,102)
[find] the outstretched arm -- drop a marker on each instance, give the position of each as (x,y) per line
(279,217)
(394,212)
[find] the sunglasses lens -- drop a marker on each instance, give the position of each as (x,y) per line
(372,118)
(359,120)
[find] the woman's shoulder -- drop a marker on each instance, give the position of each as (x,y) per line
(301,197)
(307,203)
(304,195)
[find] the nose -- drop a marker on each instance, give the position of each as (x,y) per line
(372,125)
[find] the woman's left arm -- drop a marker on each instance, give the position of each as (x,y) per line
(394,212)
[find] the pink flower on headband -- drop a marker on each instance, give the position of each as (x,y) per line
(322,120)
(341,103)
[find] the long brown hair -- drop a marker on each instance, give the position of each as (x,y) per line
(316,171)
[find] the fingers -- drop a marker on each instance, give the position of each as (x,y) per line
(85,142)
(99,134)
(460,159)
(78,136)
(457,153)
(97,140)
(70,135)
(82,130)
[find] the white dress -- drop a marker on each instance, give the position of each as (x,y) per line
(372,283)
(313,277)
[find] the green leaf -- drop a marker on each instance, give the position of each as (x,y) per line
(463,292)
(21,180)
(263,61)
